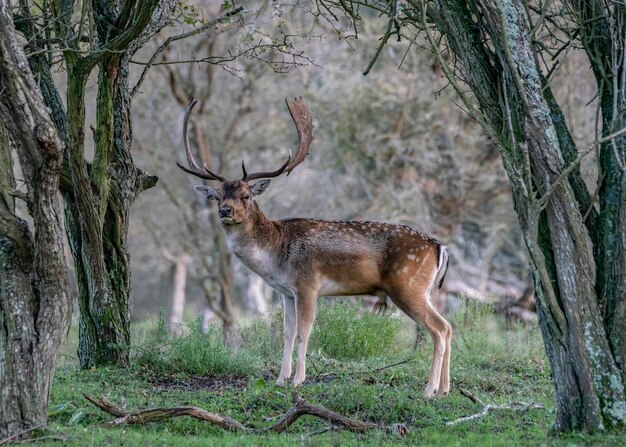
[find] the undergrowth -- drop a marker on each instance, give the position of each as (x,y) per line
(342,331)
(195,352)
(359,366)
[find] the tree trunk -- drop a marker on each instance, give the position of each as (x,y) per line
(35,305)
(518,110)
(257,294)
(603,34)
(97,212)
(224,279)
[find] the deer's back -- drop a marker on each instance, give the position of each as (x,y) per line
(356,257)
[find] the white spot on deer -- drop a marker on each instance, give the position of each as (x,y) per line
(411,256)
(405,269)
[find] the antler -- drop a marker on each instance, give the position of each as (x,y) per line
(194,169)
(304,125)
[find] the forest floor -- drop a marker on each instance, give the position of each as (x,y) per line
(357,367)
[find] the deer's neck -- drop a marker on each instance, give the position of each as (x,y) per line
(255,242)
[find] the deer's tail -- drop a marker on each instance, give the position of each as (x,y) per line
(442,265)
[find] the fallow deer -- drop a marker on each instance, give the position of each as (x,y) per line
(306,258)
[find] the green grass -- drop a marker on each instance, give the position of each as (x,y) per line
(496,365)
(193,353)
(343,332)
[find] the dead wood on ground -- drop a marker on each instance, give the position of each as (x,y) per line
(299,409)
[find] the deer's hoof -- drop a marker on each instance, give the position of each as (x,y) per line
(442,393)
(297,381)
(430,393)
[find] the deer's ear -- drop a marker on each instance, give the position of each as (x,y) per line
(208,192)
(260,186)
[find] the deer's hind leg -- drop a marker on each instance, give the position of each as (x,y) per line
(413,299)
(380,306)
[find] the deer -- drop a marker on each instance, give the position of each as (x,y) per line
(305,258)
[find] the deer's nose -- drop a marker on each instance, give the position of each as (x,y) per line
(225,211)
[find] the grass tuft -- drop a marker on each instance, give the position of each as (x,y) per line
(342,331)
(195,353)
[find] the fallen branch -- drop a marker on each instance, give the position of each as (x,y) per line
(300,408)
(157,414)
(516,406)
(470,396)
(12,439)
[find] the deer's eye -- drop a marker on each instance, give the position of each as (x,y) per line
(245,198)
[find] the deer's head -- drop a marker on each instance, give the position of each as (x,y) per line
(235,198)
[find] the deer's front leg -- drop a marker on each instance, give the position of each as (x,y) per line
(305,314)
(289,325)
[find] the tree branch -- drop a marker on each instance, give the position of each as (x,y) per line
(516,406)
(299,409)
(171,39)
(543,200)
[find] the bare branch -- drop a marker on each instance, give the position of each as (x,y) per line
(171,39)
(516,406)
(300,408)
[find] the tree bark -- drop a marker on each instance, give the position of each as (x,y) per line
(224,279)
(603,30)
(35,305)
(97,214)
(520,113)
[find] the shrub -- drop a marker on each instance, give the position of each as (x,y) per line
(343,331)
(194,353)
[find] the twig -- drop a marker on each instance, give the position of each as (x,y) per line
(470,396)
(17,435)
(383,42)
(402,362)
(543,200)
(323,430)
(184,35)
(516,406)
(391,366)
(60,438)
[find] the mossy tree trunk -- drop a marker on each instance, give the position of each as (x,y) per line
(35,304)
(556,212)
(97,210)
(604,39)
(98,195)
